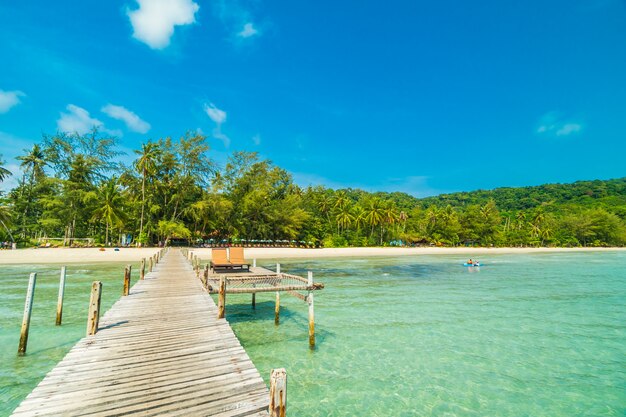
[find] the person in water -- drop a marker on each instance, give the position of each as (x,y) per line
(470,262)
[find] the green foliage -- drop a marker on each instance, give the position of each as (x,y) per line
(72,187)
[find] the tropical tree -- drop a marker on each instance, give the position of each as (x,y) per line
(146,165)
(4,173)
(110,206)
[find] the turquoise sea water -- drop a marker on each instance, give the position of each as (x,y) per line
(524,335)
(47,343)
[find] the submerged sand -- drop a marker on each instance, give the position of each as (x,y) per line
(88,255)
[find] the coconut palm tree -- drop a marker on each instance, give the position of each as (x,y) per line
(33,163)
(4,173)
(146,165)
(5,220)
(110,205)
(374,214)
(344,217)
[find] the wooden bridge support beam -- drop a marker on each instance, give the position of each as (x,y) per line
(28,309)
(278,393)
(60,297)
(126,289)
(221,299)
(93,317)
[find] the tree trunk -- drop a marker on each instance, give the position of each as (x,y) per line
(143,204)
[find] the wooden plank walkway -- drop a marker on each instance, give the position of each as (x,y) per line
(159,351)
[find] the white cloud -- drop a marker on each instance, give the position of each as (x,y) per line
(77,121)
(217,134)
(217,115)
(256,139)
(236,18)
(9,99)
(132,121)
(553,124)
(568,129)
(154,21)
(248,31)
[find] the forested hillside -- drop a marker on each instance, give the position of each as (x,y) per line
(73,187)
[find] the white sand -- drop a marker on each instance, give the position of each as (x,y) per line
(88,255)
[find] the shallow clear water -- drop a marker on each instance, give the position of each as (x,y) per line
(47,343)
(525,335)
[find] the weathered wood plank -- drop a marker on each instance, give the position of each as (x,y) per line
(159,350)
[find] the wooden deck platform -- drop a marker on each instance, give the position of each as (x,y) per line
(159,351)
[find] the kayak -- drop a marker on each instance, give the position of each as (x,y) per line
(476,264)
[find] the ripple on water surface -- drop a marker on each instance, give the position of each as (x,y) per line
(534,335)
(47,343)
(540,335)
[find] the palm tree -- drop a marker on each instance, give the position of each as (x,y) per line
(374,214)
(110,206)
(5,219)
(4,173)
(33,163)
(344,217)
(358,214)
(146,165)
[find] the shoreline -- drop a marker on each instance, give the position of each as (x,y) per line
(94,255)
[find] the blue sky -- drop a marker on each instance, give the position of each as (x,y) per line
(414,96)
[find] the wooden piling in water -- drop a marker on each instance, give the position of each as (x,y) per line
(309,300)
(60,298)
(142,269)
(28,309)
(277,309)
(221,299)
(126,289)
(253,300)
(278,393)
(93,317)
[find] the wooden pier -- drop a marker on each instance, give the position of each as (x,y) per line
(161,350)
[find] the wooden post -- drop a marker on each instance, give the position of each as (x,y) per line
(221,299)
(254,300)
(93,317)
(278,268)
(205,276)
(28,309)
(150,267)
(309,300)
(278,393)
(277,309)
(142,271)
(126,289)
(60,299)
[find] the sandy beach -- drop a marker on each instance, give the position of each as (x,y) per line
(89,255)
